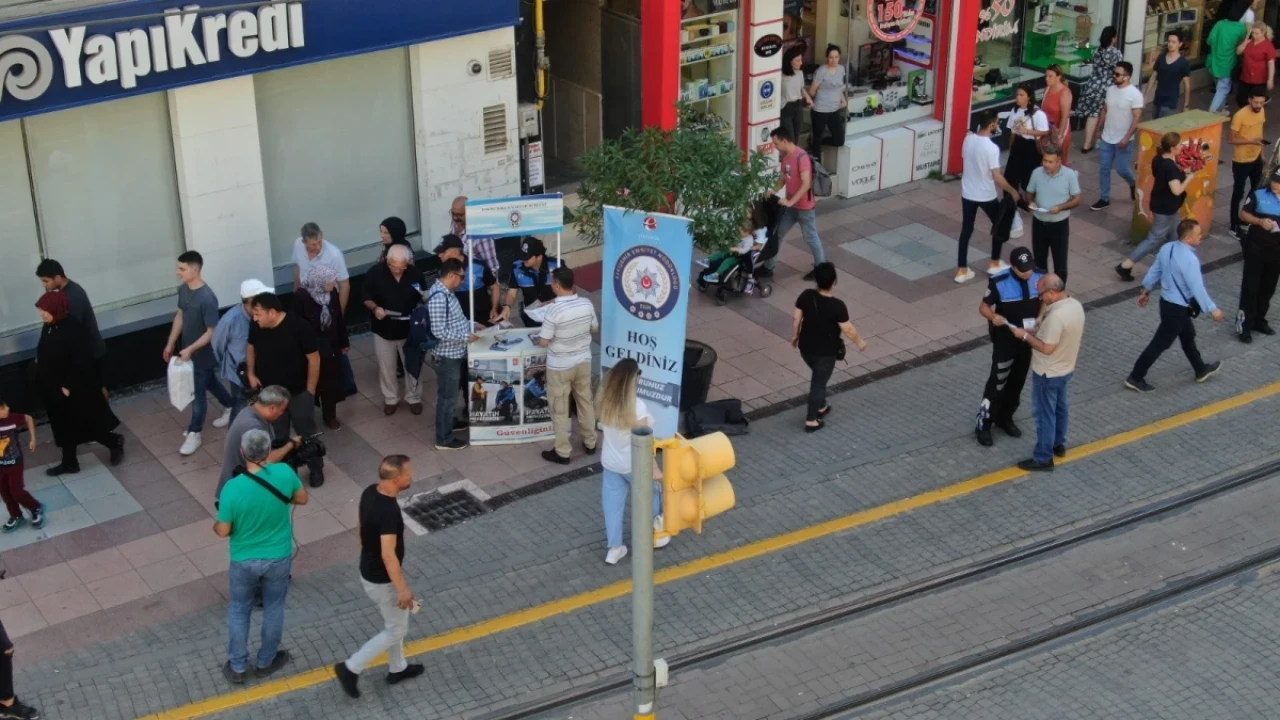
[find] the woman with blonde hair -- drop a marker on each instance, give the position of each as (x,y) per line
(1257,63)
(619,409)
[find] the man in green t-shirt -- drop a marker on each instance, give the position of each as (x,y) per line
(256,512)
(1223,39)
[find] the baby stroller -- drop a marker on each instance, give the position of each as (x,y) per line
(744,277)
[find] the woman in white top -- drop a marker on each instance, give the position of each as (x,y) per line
(829,102)
(1027,124)
(795,97)
(618,410)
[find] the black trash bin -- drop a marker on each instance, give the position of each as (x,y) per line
(695,380)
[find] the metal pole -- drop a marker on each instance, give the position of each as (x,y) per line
(642,572)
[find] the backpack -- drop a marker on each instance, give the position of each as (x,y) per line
(716,416)
(421,340)
(820,177)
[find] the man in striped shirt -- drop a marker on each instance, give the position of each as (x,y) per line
(566,334)
(454,332)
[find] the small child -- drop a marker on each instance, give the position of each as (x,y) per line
(755,233)
(11,486)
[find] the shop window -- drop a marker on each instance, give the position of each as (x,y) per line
(338,149)
(19,240)
(892,64)
(1064,34)
(998,66)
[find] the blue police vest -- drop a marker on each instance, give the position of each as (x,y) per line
(474,276)
(1010,287)
(527,277)
(1266,204)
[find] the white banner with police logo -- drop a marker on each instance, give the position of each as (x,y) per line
(645,304)
(505,217)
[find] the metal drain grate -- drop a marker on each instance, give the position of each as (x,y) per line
(437,512)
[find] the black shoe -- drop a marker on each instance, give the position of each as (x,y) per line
(460,425)
(37,517)
(984,437)
(808,277)
(1208,371)
(277,662)
(349,681)
(1141,386)
(815,428)
(1100,205)
(1010,429)
(1033,466)
(233,677)
(317,478)
(62,469)
(1265,329)
(590,450)
(454,444)
(1246,338)
(117,450)
(1060,451)
(1133,192)
(411,671)
(19,711)
(1125,273)
(553,456)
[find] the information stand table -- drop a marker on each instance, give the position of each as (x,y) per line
(507,388)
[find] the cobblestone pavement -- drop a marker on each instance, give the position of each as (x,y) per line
(918,438)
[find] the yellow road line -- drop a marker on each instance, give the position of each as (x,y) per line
(529,616)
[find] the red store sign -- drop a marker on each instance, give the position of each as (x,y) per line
(893,20)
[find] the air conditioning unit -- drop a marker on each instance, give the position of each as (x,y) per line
(527,121)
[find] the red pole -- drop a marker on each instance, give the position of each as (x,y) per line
(962,80)
(660,60)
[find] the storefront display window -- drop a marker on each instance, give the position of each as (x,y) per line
(709,60)
(998,67)
(891,63)
(1064,34)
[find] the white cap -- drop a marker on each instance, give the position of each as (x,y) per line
(253,288)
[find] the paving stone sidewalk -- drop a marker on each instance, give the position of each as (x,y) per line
(550,545)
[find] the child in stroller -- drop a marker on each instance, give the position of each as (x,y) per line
(735,270)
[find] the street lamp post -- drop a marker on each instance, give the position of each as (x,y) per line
(645,686)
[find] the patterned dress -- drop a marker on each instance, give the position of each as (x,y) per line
(1095,88)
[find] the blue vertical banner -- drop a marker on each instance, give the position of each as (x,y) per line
(645,304)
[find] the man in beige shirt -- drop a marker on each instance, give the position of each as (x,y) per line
(1055,344)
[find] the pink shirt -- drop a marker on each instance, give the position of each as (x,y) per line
(792,166)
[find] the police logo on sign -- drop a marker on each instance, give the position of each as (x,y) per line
(646,282)
(515,219)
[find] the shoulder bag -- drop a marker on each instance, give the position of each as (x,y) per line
(269,487)
(1193,305)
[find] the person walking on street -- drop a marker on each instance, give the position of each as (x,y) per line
(193,325)
(797,204)
(817,322)
(1247,127)
(1224,38)
(1168,192)
(454,332)
(1121,113)
(566,334)
(981,186)
(1170,80)
(1257,63)
(255,511)
(391,291)
(1027,124)
(283,351)
(1182,297)
(231,345)
(10,707)
(1057,105)
(1012,301)
(53,277)
(382,575)
(1055,345)
(69,388)
(620,409)
(1053,191)
(1261,213)
(318,304)
(1105,57)
(12,483)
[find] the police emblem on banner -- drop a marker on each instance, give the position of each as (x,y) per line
(515,219)
(646,282)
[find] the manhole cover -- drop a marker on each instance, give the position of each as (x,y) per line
(437,512)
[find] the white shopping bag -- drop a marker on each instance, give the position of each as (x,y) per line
(182,383)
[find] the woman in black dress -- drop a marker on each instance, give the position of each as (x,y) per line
(317,303)
(68,386)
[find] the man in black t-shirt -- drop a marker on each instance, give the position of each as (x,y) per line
(381,555)
(283,351)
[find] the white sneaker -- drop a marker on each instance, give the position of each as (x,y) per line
(615,554)
(997,268)
(660,541)
(223,420)
(191,444)
(964,276)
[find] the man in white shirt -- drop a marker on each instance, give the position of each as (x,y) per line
(981,186)
(566,334)
(309,249)
(1121,113)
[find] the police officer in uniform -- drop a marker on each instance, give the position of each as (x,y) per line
(1261,213)
(531,275)
(1012,300)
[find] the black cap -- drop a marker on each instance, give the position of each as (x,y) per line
(532,247)
(1020,259)
(449,242)
(1275,175)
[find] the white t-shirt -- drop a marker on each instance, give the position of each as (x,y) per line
(616,456)
(981,156)
(329,255)
(1121,102)
(1039,122)
(759,237)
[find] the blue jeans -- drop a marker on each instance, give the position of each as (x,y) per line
(1163,228)
(1122,158)
(1049,405)
(1222,88)
(206,378)
(613,495)
(245,577)
(448,376)
(808,220)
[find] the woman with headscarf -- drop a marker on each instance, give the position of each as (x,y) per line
(393,232)
(317,303)
(68,386)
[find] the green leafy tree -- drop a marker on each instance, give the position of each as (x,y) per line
(696,170)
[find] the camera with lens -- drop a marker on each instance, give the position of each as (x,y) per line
(311,448)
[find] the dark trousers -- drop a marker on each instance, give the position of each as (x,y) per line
(1240,172)
(999,212)
(1050,238)
(1175,324)
(6,665)
(1261,270)
(1010,361)
(826,123)
(302,416)
(448,371)
(15,495)
(792,117)
(821,367)
(106,440)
